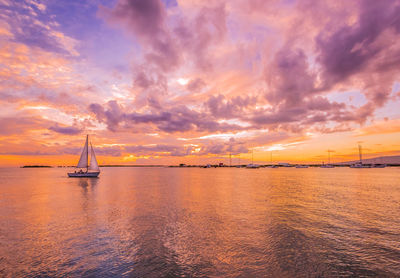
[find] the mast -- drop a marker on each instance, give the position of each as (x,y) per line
(252,157)
(87,153)
(360,152)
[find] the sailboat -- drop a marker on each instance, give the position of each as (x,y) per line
(252,165)
(329,165)
(302,166)
(87,169)
(360,164)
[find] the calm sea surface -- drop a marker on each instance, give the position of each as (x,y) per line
(191,222)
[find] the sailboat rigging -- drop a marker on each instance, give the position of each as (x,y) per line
(92,168)
(360,163)
(252,165)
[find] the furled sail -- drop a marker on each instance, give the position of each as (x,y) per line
(93,161)
(83,161)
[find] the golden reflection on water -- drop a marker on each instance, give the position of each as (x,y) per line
(152,222)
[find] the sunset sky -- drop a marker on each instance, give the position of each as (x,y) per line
(168,82)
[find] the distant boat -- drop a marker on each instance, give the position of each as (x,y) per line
(301,166)
(329,165)
(252,165)
(360,164)
(91,170)
(379,165)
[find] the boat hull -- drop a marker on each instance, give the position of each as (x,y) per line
(379,166)
(84,175)
(327,166)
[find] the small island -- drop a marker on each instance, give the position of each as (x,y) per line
(36,166)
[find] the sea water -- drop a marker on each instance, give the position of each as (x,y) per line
(193,222)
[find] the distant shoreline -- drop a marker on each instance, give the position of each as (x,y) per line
(198,166)
(36,166)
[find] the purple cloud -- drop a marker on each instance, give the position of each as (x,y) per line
(289,77)
(175,119)
(159,150)
(220,107)
(196,85)
(143,18)
(100,150)
(67,130)
(348,50)
(231,147)
(31,24)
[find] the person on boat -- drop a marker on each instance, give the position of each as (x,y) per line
(80,171)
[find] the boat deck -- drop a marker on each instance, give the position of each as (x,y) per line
(84,175)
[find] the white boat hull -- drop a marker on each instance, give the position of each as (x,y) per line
(360,165)
(84,175)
